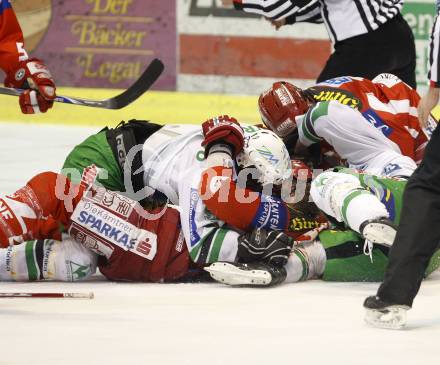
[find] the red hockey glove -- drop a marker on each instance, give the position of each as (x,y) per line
(223,129)
(34,76)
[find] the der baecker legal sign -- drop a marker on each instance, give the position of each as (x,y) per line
(205,47)
(101,43)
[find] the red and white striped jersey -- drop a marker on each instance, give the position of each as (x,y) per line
(386,102)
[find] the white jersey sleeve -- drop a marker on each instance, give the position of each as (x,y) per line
(208,238)
(354,139)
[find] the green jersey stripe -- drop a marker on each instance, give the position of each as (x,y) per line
(200,252)
(347,201)
(307,130)
(217,245)
(206,246)
(304,262)
(30,261)
(319,110)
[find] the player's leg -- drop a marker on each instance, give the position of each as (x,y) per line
(394,52)
(399,51)
(353,57)
(305,262)
(64,260)
(342,197)
(416,241)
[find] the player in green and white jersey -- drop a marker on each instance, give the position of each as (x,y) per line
(356,202)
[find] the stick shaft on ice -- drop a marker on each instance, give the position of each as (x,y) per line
(89,295)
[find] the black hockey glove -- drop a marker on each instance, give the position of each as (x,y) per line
(261,245)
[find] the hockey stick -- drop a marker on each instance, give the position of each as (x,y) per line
(141,85)
(89,295)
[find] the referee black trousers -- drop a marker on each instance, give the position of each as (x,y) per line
(418,235)
(389,49)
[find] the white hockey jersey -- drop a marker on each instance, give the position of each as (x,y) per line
(173,164)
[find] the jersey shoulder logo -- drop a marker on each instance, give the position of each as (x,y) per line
(327,93)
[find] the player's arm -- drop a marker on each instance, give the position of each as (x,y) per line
(22,72)
(211,241)
(11,39)
(237,206)
(38,210)
(271,9)
(431,98)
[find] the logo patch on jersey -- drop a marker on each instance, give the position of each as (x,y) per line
(111,227)
(337,80)
(302,224)
(77,271)
(390,168)
(19,74)
(372,118)
(270,214)
(327,93)
(267,154)
(193,200)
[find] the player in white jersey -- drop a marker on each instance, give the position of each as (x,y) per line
(357,201)
(174,163)
(369,124)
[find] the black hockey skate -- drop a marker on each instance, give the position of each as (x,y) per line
(383,314)
(255,274)
(381,231)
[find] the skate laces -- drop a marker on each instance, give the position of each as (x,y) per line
(368,249)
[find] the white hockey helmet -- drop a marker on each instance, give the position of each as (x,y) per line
(267,152)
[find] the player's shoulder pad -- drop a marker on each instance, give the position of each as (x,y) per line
(324,108)
(387,79)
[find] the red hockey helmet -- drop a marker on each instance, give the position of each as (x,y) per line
(280,105)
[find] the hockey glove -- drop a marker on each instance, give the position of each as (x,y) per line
(225,130)
(273,247)
(33,76)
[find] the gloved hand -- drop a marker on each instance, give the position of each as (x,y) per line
(273,247)
(225,130)
(33,76)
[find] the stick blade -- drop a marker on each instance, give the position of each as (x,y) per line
(147,79)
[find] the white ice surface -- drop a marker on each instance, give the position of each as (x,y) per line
(299,324)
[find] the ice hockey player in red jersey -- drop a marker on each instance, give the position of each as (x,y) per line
(106,230)
(21,71)
(36,213)
(346,108)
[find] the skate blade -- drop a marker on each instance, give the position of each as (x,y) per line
(379,233)
(394,317)
(230,274)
